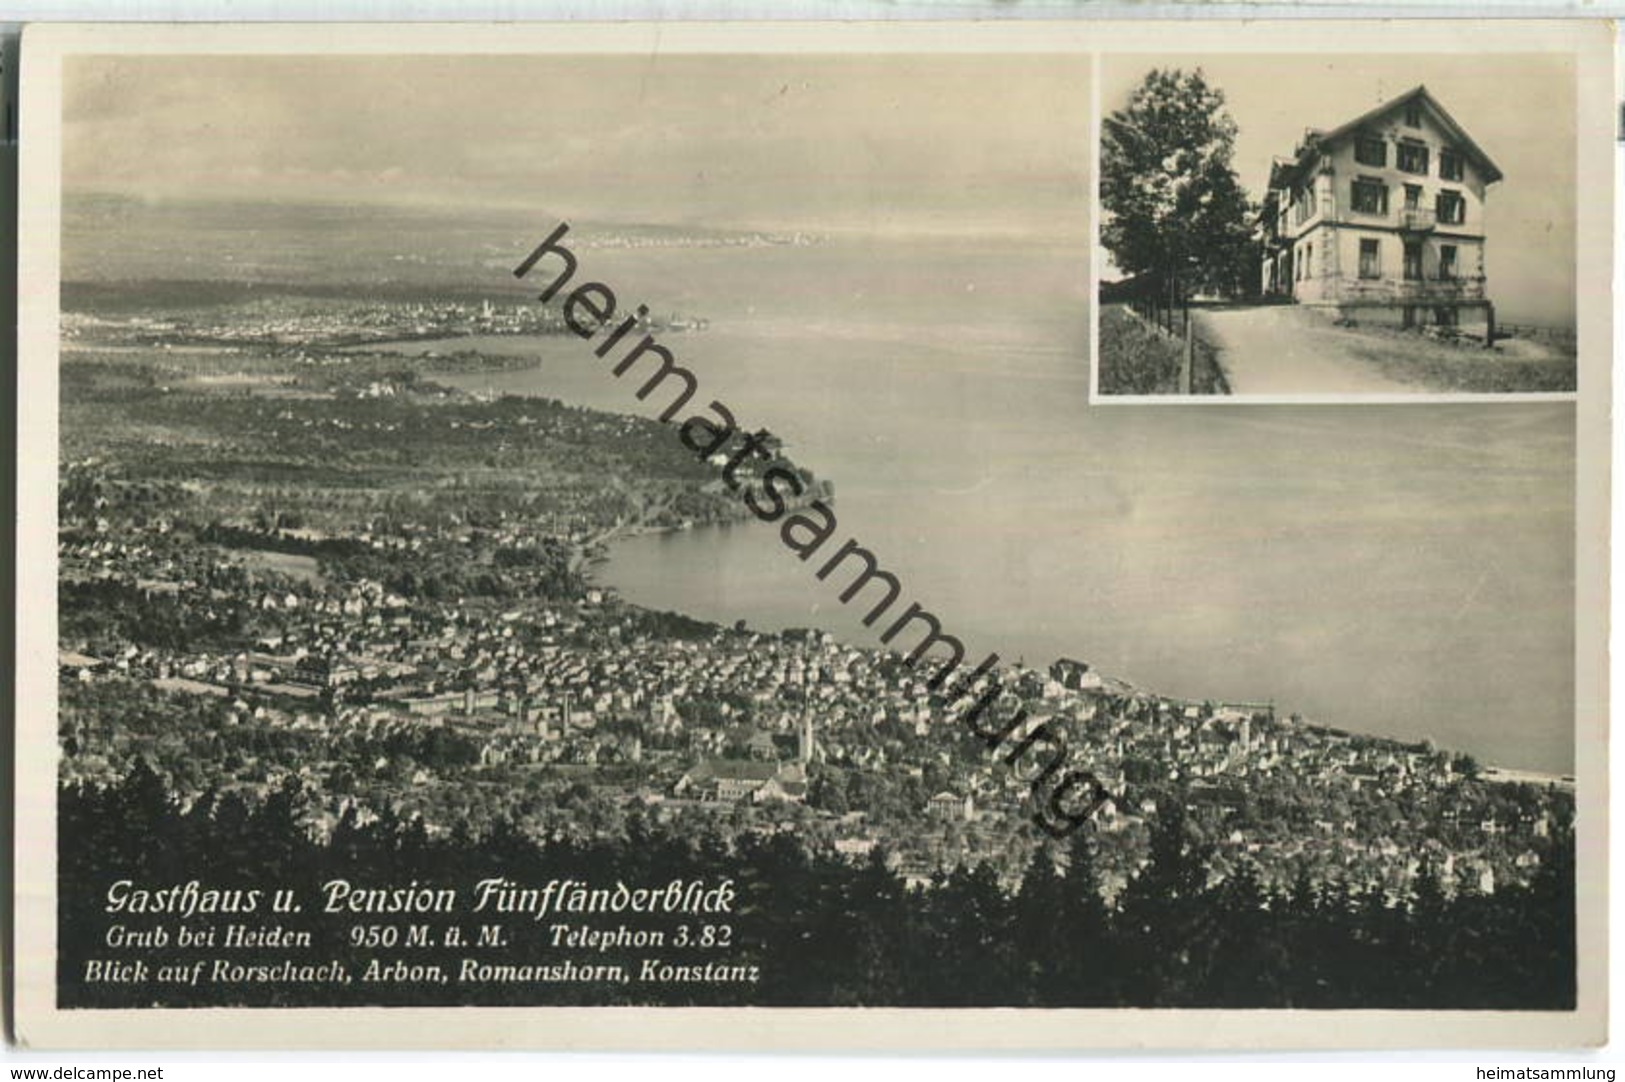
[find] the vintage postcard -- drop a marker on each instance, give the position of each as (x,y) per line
(624,525)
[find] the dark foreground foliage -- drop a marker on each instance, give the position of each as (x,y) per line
(820,931)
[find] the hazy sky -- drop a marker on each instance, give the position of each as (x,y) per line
(928,141)
(1518,108)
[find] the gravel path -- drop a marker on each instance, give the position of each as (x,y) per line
(1283,350)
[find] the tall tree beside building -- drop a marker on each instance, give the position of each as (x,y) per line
(1173,203)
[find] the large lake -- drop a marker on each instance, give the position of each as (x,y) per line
(1404,570)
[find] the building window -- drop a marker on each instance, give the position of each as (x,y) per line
(1413,114)
(1413,196)
(1370,259)
(1447,262)
(1370,197)
(1413,262)
(1450,165)
(1412,158)
(1371,150)
(1309,261)
(1451,208)
(1303,204)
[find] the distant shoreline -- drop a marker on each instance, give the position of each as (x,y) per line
(599,571)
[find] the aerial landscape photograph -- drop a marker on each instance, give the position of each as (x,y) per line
(530,528)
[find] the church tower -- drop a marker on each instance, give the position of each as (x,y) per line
(806,741)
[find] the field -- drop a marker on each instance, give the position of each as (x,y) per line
(1514,365)
(293,565)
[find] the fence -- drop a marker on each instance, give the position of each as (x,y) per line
(1159,301)
(1164,304)
(1563,336)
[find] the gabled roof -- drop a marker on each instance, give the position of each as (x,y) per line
(1491,171)
(1280,168)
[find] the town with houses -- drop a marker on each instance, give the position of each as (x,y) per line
(331,323)
(238,625)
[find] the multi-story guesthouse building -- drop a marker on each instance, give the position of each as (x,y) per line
(1383,218)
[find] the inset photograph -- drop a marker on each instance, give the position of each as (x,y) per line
(1355,226)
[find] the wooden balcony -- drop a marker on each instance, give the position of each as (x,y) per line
(1417,220)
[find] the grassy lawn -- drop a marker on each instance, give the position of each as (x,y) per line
(287,563)
(1439,366)
(1134,359)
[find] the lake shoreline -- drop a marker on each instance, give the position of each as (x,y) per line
(1333,557)
(601,571)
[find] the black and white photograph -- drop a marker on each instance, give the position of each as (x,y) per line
(1345,226)
(627,519)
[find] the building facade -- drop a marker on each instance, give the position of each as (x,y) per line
(1383,218)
